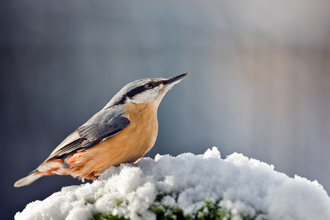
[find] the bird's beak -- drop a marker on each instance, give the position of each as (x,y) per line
(175,79)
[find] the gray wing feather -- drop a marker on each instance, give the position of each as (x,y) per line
(103,125)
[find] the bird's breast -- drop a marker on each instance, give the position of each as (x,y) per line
(127,146)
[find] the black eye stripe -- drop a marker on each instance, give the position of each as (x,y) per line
(155,84)
(135,91)
(140,89)
(130,94)
(149,85)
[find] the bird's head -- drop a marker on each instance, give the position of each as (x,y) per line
(150,90)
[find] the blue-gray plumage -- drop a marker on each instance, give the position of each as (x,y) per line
(103,125)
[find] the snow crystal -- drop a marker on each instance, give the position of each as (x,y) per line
(243,186)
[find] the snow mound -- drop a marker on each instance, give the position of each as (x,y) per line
(241,186)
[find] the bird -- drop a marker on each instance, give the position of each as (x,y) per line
(121,132)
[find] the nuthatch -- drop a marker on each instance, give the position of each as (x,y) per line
(122,132)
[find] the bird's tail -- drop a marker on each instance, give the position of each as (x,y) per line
(30,178)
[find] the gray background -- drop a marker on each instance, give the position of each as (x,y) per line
(259,80)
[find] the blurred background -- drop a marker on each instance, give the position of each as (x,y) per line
(259,81)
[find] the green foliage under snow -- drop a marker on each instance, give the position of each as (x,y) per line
(209,210)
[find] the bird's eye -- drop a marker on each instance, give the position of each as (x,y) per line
(149,85)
